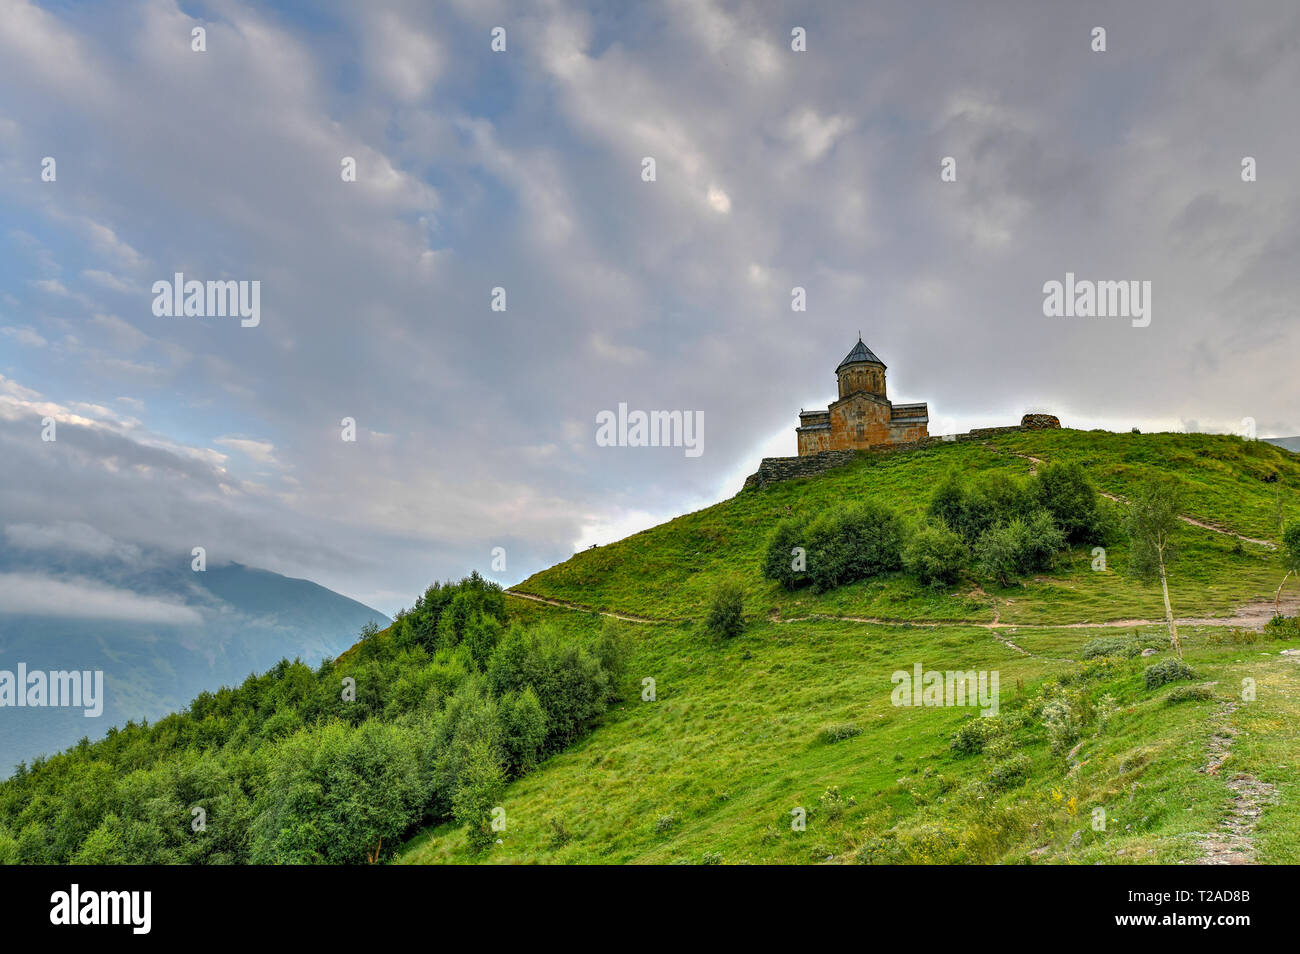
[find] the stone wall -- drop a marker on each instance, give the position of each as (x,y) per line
(773,470)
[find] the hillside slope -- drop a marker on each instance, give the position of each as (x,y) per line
(795,716)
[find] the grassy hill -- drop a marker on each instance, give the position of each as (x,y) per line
(796,713)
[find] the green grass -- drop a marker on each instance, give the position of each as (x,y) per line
(738,735)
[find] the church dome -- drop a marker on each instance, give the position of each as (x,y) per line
(860,354)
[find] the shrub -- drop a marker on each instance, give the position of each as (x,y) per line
(935,554)
(568,678)
(973,734)
(1189,694)
(523,728)
(335,795)
(838,733)
(478,791)
(1061,723)
(853,544)
(1101,646)
(1040,542)
(1065,491)
(833,803)
(1010,773)
(726,615)
(1019,546)
(971,509)
(779,560)
(1169,670)
(1285,627)
(997,552)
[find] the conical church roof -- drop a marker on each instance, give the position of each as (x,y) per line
(860,354)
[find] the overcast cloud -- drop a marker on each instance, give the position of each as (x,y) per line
(522,170)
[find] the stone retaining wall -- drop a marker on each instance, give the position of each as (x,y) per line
(773,470)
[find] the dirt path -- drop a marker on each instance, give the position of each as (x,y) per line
(1252,614)
(1269,545)
(1266,544)
(579,608)
(1232,843)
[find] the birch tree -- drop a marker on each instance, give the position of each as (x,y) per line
(1153,527)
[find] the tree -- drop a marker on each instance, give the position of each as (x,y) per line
(998,551)
(1290,561)
(1153,526)
(935,554)
(726,616)
(1071,499)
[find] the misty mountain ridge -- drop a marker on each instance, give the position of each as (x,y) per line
(160,631)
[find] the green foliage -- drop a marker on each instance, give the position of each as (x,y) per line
(1065,491)
(726,615)
(1291,547)
(288,772)
(1019,546)
(973,734)
(855,543)
(1285,627)
(336,795)
(478,791)
(1101,646)
(569,679)
(1189,694)
(1153,526)
(1009,773)
(779,558)
(935,554)
(839,732)
(1165,671)
(523,725)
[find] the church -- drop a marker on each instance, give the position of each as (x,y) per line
(863,416)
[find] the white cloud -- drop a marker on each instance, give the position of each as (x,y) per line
(262,452)
(31,594)
(25,336)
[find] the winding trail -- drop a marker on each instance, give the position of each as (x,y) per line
(1252,613)
(1119,498)
(1233,842)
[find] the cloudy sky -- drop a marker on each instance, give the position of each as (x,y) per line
(522,170)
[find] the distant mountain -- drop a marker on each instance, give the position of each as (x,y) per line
(1290,443)
(160,635)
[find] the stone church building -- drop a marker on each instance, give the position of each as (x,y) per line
(863,416)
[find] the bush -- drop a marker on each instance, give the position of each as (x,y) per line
(1101,646)
(1010,773)
(778,560)
(935,554)
(1065,491)
(726,616)
(972,509)
(477,793)
(338,795)
(1061,723)
(1019,546)
(1286,627)
(1169,670)
(523,728)
(973,734)
(567,677)
(997,552)
(854,544)
(1189,694)
(838,733)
